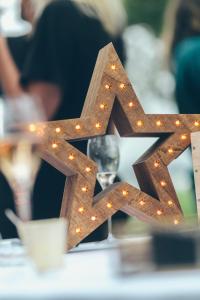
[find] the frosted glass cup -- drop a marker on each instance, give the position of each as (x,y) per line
(45,242)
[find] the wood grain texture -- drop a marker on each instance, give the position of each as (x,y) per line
(195,141)
(111,95)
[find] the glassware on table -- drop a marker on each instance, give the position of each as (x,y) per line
(45,242)
(104,151)
(11,253)
(11,23)
(19,136)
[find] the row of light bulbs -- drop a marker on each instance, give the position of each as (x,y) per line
(109,205)
(140,123)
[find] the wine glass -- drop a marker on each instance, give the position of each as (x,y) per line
(11,23)
(20,133)
(104,151)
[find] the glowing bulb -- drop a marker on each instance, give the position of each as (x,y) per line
(159,212)
(32,128)
(158,123)
(122,86)
(170,151)
(196,123)
(113,67)
(78,230)
(84,189)
(142,203)
(78,127)
(183,137)
(88,169)
(54,145)
(178,123)
(176,222)
(107,86)
(124,193)
(81,209)
(170,203)
(98,125)
(156,164)
(58,129)
(93,218)
(131,104)
(102,106)
(163,183)
(139,123)
(71,157)
(109,205)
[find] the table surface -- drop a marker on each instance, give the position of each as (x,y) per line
(92,275)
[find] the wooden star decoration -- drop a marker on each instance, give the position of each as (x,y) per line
(111,95)
(195,141)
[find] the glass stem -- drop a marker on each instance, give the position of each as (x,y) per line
(23,203)
(110,232)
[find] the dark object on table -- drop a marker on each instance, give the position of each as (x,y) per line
(172,249)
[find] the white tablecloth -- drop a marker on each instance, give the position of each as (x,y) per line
(91,275)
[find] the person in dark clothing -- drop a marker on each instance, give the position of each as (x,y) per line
(184,52)
(55,62)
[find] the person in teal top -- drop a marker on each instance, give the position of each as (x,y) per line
(184,51)
(187,73)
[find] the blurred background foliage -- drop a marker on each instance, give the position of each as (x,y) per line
(150,12)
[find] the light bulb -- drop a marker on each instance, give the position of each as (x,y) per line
(159,212)
(81,209)
(98,125)
(142,203)
(88,169)
(178,123)
(93,218)
(71,157)
(78,230)
(58,130)
(156,164)
(32,128)
(54,145)
(170,203)
(124,193)
(78,127)
(170,151)
(158,123)
(107,86)
(102,106)
(122,86)
(113,67)
(84,189)
(163,183)
(196,123)
(131,104)
(183,137)
(109,205)
(139,123)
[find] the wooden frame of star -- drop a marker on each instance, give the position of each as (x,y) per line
(111,96)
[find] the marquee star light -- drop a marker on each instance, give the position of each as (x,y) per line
(111,95)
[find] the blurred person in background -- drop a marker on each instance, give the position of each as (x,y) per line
(182,35)
(55,63)
(182,39)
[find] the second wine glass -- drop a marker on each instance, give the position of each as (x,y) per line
(104,150)
(19,138)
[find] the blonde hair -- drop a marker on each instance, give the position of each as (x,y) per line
(169,27)
(111,13)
